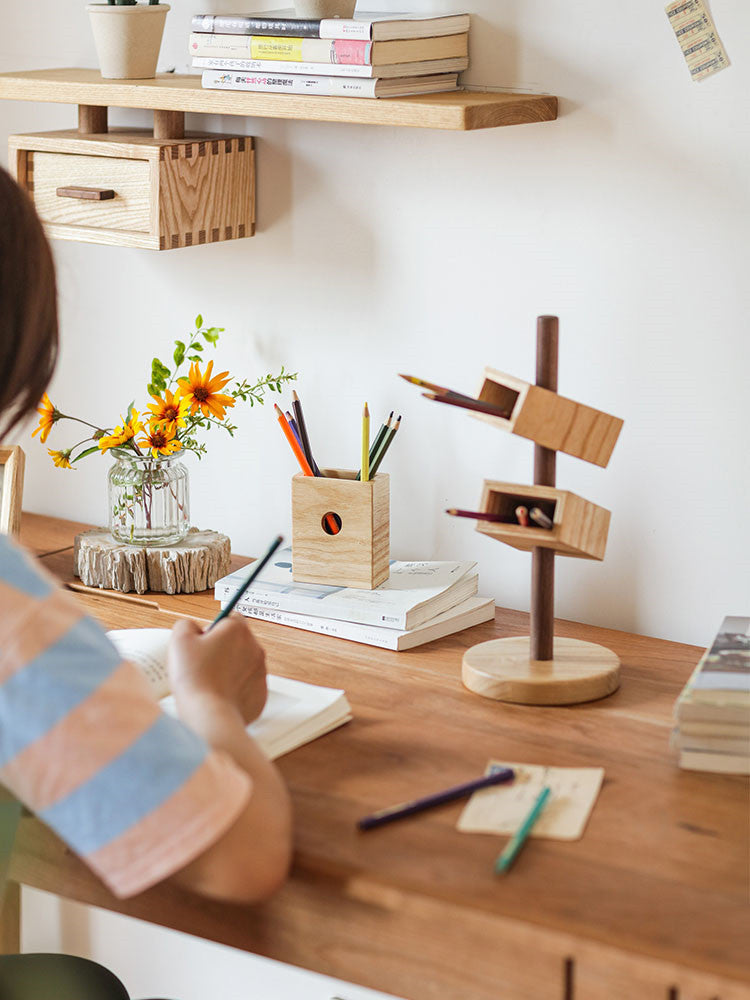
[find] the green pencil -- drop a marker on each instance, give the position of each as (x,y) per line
(257,566)
(516,842)
(385,445)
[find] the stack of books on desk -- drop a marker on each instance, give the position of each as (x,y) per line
(369,55)
(713,711)
(420,601)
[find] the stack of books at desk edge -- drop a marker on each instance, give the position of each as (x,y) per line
(420,601)
(369,55)
(712,713)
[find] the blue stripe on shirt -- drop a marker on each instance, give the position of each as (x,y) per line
(129,788)
(17,570)
(42,693)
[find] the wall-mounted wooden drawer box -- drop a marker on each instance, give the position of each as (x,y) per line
(126,188)
(548,419)
(579,527)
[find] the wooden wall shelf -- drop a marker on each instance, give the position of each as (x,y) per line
(180,93)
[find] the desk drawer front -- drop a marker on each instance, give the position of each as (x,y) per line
(129,210)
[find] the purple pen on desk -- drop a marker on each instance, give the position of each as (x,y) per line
(392,813)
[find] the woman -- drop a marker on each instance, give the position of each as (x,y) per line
(139,796)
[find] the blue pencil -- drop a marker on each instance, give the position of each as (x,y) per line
(519,838)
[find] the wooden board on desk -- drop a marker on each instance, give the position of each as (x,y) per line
(653,897)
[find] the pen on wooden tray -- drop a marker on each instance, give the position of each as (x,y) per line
(257,567)
(384,428)
(438,799)
(519,838)
(468,403)
(365,466)
(384,446)
(441,389)
(522,515)
(477,515)
(539,517)
(303,435)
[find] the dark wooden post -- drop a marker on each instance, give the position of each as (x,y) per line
(545,464)
(92,119)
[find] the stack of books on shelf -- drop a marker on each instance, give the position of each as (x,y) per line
(712,714)
(369,55)
(421,601)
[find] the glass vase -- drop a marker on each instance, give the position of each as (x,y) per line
(149,499)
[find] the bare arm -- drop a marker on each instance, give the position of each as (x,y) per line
(219,683)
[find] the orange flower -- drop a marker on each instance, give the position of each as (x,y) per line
(49,415)
(170,411)
(202,391)
(123,434)
(60,458)
(161,440)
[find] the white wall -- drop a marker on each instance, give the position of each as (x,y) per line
(383,250)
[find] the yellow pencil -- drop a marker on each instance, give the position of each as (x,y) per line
(365,444)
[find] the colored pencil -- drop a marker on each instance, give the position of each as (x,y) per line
(384,428)
(384,447)
(303,435)
(522,515)
(293,443)
(295,429)
(257,567)
(539,517)
(519,838)
(438,799)
(477,515)
(365,467)
(441,389)
(468,403)
(300,456)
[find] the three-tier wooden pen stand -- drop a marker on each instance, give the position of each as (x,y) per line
(539,669)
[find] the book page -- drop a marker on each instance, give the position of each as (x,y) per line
(502,808)
(147,648)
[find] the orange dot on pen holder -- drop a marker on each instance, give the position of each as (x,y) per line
(358,555)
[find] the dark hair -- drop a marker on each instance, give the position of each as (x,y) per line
(28,306)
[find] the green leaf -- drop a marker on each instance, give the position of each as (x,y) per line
(198,321)
(85,452)
(179,353)
(130,409)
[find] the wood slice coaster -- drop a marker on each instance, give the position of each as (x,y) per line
(502,669)
(195,564)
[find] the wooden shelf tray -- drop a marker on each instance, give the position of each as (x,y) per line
(579,527)
(172,92)
(548,419)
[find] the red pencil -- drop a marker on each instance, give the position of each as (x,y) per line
(468,404)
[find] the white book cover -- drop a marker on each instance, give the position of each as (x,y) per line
(294,714)
(474,611)
(327,86)
(413,593)
(270,66)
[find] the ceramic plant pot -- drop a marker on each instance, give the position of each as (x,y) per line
(127,38)
(316,9)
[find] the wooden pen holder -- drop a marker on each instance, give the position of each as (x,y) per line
(358,553)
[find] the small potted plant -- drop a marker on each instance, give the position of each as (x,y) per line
(127,35)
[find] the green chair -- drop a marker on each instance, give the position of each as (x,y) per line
(47,977)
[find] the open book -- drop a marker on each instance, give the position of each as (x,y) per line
(295,713)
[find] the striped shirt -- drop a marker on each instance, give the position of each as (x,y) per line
(84,745)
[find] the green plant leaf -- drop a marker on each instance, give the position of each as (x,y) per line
(85,452)
(198,321)
(194,357)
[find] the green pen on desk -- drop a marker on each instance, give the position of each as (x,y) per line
(257,567)
(519,838)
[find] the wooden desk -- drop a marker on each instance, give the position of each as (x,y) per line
(652,904)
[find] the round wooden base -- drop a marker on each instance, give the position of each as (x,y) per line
(580,671)
(195,564)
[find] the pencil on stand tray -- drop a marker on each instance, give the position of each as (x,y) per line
(385,446)
(365,467)
(477,515)
(440,389)
(468,403)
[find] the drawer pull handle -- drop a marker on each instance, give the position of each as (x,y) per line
(87,194)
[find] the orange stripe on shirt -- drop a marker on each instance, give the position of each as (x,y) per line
(86,740)
(196,816)
(35,626)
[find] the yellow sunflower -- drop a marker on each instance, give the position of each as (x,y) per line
(121,435)
(48,415)
(202,391)
(170,411)
(161,440)
(60,458)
